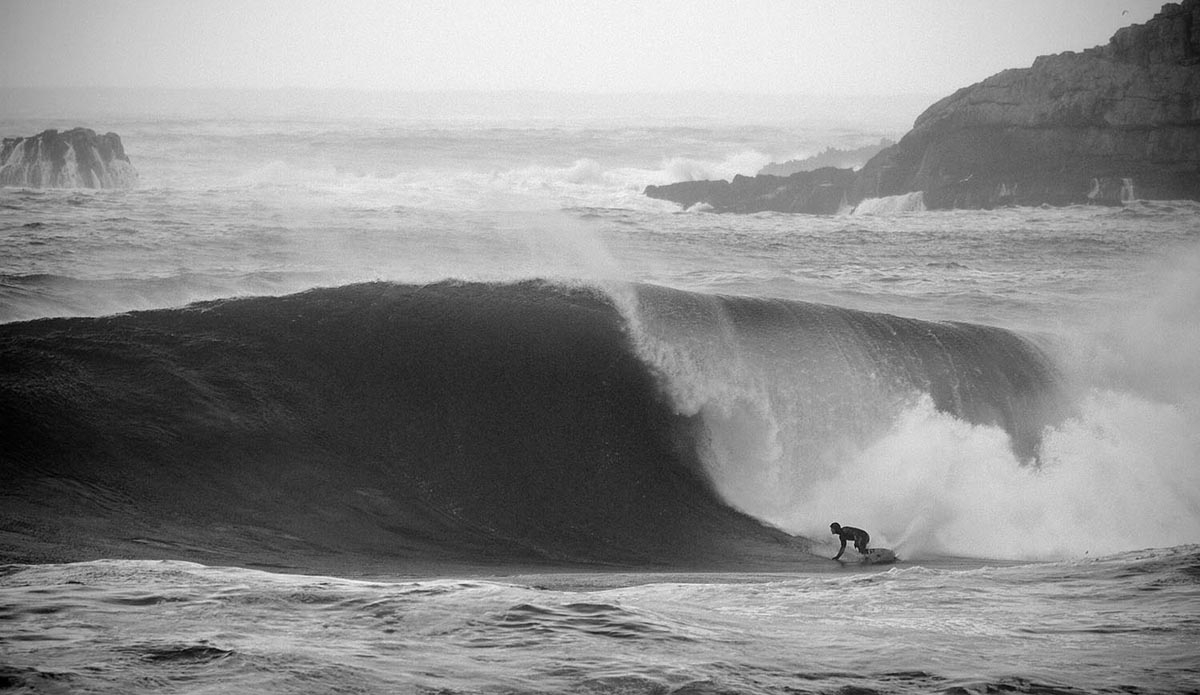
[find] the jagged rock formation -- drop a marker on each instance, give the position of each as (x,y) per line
(77,158)
(853,158)
(1105,125)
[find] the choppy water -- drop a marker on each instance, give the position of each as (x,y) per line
(766,369)
(1122,624)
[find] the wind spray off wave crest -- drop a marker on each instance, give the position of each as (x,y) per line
(747,163)
(892,204)
(1122,472)
(1115,476)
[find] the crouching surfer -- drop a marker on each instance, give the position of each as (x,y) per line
(859,536)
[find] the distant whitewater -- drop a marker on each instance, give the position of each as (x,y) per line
(892,204)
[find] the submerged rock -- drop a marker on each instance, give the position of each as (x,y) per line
(77,158)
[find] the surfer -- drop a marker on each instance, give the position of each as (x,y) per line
(859,536)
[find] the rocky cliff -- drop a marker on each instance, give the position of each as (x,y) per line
(77,158)
(1121,120)
(1108,124)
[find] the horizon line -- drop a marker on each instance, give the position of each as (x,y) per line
(469,90)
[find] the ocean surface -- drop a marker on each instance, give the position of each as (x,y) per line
(356,393)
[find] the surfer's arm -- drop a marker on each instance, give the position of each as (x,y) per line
(841,550)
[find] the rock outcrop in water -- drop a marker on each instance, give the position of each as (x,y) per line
(831,157)
(820,192)
(1106,125)
(77,158)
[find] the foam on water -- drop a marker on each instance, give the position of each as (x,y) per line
(582,183)
(125,626)
(1119,473)
(1118,476)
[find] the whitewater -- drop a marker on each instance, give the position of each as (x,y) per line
(424,395)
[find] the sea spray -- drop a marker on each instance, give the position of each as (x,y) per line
(1147,345)
(892,204)
(1122,472)
(1117,472)
(1114,477)
(790,395)
(745,163)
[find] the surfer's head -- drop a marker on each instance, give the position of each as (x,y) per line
(835,527)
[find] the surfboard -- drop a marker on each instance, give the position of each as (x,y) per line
(874,556)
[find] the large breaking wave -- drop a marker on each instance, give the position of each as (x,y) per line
(449,421)
(801,405)
(501,422)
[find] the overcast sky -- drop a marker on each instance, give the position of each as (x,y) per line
(768,46)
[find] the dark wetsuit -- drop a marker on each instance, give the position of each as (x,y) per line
(847,533)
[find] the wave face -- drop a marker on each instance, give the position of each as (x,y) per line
(455,421)
(502,422)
